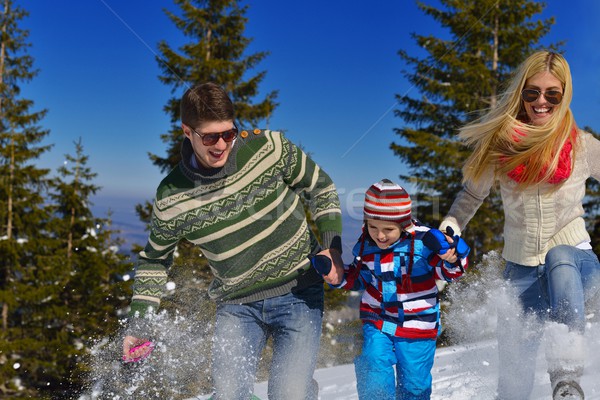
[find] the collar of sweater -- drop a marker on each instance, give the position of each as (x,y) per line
(197,172)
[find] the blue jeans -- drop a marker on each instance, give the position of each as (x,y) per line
(413,359)
(241,331)
(557,291)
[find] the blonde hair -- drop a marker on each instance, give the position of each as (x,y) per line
(492,136)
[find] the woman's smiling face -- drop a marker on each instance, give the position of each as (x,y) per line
(540,110)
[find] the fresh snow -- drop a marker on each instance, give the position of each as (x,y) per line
(469,370)
(459,373)
(465,371)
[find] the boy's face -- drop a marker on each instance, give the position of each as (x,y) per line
(384,233)
(215,155)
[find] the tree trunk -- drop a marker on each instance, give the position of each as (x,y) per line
(3,53)
(494,94)
(208,39)
(4,317)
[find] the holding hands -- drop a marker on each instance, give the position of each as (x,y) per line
(329,264)
(448,246)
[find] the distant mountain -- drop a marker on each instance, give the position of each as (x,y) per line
(124,219)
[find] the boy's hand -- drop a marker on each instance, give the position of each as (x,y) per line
(448,246)
(322,264)
(330,265)
(437,241)
(449,255)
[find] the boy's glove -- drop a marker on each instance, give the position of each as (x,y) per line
(436,241)
(321,263)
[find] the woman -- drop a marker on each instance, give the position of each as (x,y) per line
(531,145)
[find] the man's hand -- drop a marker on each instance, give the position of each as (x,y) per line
(135,349)
(336,274)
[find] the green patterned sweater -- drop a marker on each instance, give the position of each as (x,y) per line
(246,217)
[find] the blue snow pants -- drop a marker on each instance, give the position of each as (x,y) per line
(413,359)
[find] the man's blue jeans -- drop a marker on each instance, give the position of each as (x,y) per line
(241,331)
(557,291)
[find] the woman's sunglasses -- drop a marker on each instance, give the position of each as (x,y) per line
(210,139)
(531,95)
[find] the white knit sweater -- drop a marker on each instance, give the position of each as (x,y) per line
(537,218)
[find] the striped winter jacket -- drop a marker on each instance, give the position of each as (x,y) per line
(392,302)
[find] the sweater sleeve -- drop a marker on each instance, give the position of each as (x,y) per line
(312,184)
(593,155)
(151,270)
(450,272)
(468,201)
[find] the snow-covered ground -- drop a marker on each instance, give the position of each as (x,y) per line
(466,371)
(459,373)
(470,370)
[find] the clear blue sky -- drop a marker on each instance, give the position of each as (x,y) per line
(334,63)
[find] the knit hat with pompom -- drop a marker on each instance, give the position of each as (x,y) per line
(388,201)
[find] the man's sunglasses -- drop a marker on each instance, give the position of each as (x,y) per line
(531,95)
(210,139)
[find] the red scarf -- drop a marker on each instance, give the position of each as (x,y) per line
(563,169)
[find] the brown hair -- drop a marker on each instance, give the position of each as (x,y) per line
(206,102)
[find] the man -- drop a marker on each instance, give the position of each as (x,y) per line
(236,195)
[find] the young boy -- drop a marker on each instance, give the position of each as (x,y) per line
(397,263)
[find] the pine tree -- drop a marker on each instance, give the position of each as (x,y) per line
(457,78)
(57,286)
(71,200)
(83,263)
(215,53)
(22,210)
